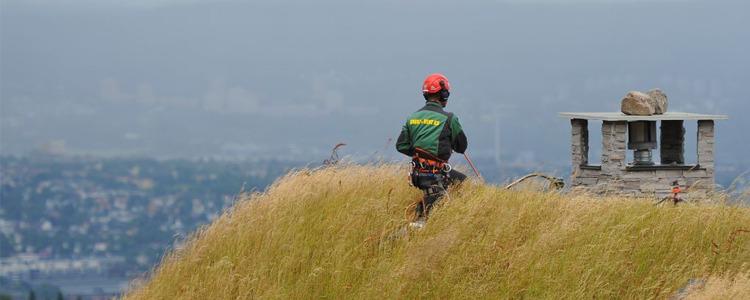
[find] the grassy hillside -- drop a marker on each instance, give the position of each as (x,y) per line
(338,233)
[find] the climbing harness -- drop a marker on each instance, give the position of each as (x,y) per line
(675,197)
(425,162)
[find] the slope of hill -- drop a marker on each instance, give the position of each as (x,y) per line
(338,233)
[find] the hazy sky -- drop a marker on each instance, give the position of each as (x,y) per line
(263,78)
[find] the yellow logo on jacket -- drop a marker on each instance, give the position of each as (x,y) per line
(424,122)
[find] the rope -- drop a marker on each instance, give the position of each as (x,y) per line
(557,183)
(473,167)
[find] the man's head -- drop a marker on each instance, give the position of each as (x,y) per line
(436,88)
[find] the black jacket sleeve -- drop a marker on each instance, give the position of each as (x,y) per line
(458,138)
(403,144)
(460,143)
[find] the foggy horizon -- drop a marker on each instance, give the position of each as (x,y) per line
(291,78)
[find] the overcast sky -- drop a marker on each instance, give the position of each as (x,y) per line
(263,78)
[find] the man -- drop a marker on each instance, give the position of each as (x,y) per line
(676,190)
(429,136)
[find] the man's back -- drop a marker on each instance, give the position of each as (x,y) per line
(434,130)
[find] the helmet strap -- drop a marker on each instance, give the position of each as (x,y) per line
(444,94)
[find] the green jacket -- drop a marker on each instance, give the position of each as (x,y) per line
(426,129)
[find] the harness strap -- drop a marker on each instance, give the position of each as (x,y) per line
(425,162)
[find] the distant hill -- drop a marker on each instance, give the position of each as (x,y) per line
(339,233)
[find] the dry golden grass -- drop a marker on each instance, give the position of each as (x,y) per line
(737,287)
(339,233)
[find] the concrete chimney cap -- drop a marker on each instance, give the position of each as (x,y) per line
(618,116)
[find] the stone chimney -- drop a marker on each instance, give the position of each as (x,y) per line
(642,176)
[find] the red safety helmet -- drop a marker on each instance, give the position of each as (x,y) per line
(434,83)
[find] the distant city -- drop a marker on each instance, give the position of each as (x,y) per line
(88,222)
